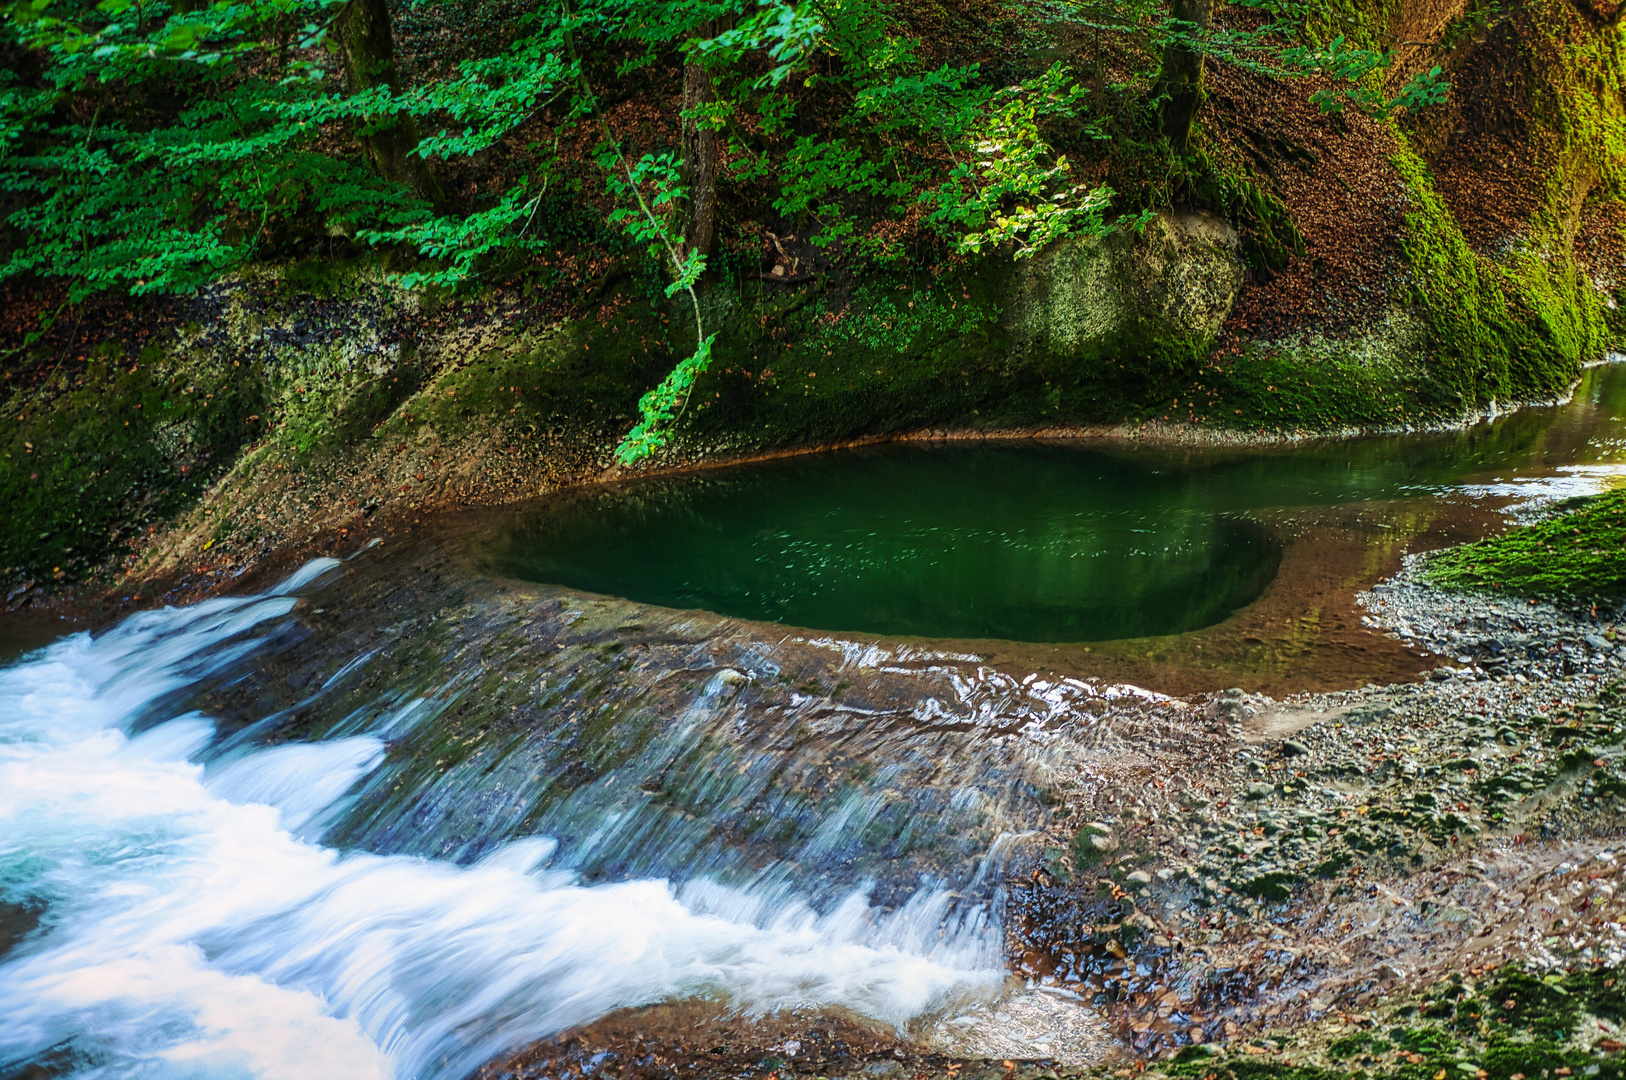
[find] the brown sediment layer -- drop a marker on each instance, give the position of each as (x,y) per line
(676,1039)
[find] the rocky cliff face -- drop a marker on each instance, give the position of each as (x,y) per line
(1471,251)
(390,405)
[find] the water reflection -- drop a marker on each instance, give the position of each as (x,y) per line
(1037,543)
(1041,542)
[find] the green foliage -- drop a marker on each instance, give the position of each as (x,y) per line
(1005,188)
(1279,47)
(114,185)
(658,173)
(154,145)
(820,173)
(662,405)
(1016,191)
(1580,555)
(461,243)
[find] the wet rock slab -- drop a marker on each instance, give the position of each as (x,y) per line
(1169,872)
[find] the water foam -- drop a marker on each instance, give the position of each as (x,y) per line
(195,927)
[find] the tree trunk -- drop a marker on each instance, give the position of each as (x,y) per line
(1180,81)
(367,45)
(701,158)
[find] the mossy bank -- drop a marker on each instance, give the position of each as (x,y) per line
(1305,275)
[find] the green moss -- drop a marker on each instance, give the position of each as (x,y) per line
(1357,1044)
(1334,866)
(1581,554)
(1481,347)
(87,462)
(1270,237)
(1517,321)
(801,367)
(1085,853)
(324,400)
(577,385)
(1275,388)
(894,355)
(1274,887)
(1518,1023)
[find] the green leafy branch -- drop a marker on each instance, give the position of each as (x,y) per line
(655,408)
(1015,189)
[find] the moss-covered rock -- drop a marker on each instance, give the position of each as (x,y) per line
(89,460)
(1171,286)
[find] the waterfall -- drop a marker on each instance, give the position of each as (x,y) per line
(181,913)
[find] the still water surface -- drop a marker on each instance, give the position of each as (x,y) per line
(1040,542)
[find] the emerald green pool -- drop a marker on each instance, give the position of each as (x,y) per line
(1025,540)
(1023,543)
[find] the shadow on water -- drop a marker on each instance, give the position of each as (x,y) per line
(1025,542)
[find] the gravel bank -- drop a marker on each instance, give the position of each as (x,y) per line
(1332,848)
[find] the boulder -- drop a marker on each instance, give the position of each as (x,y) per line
(1174,283)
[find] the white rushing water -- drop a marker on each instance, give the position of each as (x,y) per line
(194,926)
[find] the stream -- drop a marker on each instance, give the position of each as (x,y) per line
(402,815)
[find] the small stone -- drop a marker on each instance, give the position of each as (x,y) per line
(1259,791)
(1294,749)
(1597,643)
(1139,877)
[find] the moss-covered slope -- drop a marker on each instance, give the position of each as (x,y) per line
(1578,555)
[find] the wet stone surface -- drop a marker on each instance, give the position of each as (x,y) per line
(1168,872)
(1353,843)
(522,710)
